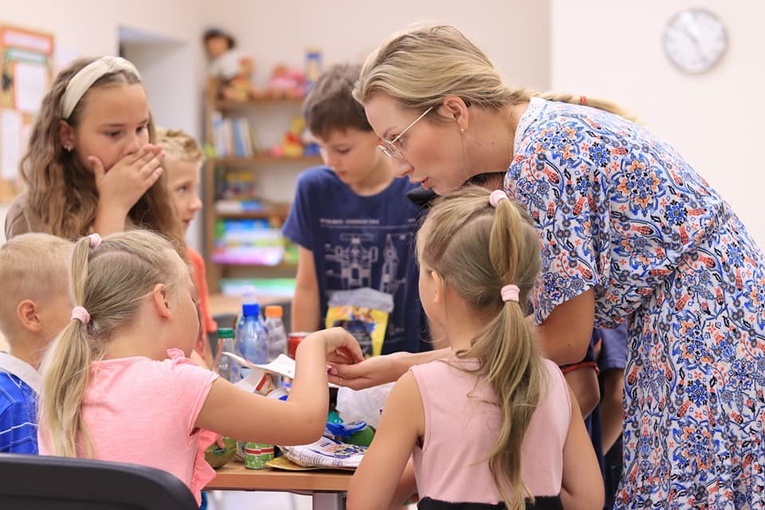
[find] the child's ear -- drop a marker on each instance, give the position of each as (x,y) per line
(438,292)
(66,134)
(27,314)
(159,297)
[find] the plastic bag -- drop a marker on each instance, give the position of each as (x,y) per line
(362,405)
(363,313)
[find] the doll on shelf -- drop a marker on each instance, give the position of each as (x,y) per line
(286,82)
(228,65)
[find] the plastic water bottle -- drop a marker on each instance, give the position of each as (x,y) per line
(251,340)
(277,336)
(227,368)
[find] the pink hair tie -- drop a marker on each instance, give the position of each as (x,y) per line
(496,196)
(510,293)
(81,314)
(95,241)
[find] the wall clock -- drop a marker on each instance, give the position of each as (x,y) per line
(695,40)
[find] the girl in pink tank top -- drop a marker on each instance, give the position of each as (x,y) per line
(494,425)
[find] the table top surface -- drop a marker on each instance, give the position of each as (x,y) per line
(234,476)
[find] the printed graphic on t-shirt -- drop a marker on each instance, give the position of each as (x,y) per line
(372,258)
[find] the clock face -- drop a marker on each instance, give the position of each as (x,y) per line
(695,40)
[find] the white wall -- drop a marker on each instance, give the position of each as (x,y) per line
(613,49)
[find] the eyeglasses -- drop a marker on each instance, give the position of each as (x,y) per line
(390,149)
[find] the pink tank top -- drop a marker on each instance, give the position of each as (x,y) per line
(461,428)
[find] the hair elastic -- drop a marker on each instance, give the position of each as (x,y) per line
(510,293)
(95,241)
(85,78)
(496,196)
(81,314)
(583,100)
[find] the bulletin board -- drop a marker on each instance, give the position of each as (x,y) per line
(26,71)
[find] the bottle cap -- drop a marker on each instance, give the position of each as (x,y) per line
(225,332)
(251,309)
(274,311)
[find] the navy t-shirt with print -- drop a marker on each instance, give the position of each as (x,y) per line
(362,241)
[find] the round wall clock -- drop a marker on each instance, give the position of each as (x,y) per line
(695,40)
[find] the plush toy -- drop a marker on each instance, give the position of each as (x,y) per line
(291,145)
(285,82)
(232,68)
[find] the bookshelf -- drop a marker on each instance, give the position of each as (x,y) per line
(242,218)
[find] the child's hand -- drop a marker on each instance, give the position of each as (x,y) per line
(341,346)
(120,186)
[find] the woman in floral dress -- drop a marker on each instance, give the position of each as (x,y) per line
(629,232)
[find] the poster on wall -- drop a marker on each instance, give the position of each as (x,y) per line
(26,64)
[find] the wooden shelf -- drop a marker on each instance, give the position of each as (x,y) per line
(255,102)
(263,158)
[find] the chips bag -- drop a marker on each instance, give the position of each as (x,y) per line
(364,314)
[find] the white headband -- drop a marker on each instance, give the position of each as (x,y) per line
(85,78)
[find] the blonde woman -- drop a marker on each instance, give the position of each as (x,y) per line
(493,425)
(629,232)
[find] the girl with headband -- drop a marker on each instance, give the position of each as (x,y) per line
(91,165)
(493,422)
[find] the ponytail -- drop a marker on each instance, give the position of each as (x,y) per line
(65,372)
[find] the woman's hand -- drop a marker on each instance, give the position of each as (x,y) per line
(120,186)
(369,372)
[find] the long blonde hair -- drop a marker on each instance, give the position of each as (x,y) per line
(477,249)
(424,65)
(109,281)
(61,191)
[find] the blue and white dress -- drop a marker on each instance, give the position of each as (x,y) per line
(622,213)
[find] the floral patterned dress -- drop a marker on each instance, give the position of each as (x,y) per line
(620,212)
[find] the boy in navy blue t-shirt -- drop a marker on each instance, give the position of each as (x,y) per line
(351,218)
(34,308)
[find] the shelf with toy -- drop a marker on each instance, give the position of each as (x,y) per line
(266,157)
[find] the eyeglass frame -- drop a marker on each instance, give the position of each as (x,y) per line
(390,149)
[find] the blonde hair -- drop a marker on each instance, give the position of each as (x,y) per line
(477,249)
(179,145)
(61,191)
(424,65)
(110,282)
(32,266)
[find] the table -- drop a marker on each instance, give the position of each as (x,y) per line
(325,487)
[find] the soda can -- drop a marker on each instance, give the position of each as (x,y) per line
(256,455)
(294,341)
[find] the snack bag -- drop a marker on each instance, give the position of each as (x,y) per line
(363,313)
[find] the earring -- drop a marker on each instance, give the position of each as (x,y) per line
(68,148)
(462,130)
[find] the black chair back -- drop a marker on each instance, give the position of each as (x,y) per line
(33,482)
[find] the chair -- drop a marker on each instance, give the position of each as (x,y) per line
(36,482)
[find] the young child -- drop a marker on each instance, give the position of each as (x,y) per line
(91,165)
(493,423)
(183,163)
(351,219)
(117,384)
(35,307)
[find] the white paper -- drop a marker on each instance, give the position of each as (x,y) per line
(283,365)
(10,143)
(31,83)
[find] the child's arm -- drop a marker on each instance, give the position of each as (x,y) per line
(582,487)
(401,424)
(246,416)
(306,311)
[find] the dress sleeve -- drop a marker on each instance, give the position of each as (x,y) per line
(562,191)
